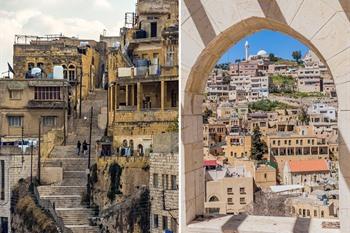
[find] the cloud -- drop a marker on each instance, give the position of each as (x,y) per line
(102,3)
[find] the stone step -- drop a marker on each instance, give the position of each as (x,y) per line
(68,164)
(48,190)
(74,181)
(74,174)
(75,216)
(83,228)
(64,201)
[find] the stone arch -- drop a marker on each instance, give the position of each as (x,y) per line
(214,198)
(210,27)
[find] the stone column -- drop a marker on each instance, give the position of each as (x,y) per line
(139,96)
(162,95)
(127,95)
(132,94)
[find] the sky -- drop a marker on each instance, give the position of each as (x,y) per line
(277,43)
(85,19)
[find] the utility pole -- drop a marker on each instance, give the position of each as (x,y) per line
(64,113)
(39,151)
(31,163)
(89,159)
(76,92)
(107,111)
(22,144)
(81,83)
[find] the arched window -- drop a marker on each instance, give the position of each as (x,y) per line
(140,149)
(30,65)
(213,199)
(65,71)
(71,72)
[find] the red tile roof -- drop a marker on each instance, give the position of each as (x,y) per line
(210,163)
(314,165)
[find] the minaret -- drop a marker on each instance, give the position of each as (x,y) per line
(246,50)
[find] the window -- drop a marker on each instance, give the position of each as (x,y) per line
(15,121)
(229,191)
(155,180)
(15,94)
(71,72)
(47,93)
(170,56)
(49,121)
(4,225)
(165,222)
(155,221)
(2,180)
(242,190)
(315,213)
(173,182)
(230,201)
(165,181)
(265,175)
(242,200)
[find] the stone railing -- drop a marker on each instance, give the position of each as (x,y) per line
(48,206)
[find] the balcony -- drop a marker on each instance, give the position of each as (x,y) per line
(262,224)
(152,115)
(50,104)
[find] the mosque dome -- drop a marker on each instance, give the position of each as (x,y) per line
(262,53)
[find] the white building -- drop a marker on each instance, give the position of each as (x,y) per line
(328,112)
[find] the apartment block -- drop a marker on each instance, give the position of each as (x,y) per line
(26,102)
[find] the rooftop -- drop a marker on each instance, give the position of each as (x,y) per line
(264,224)
(308,165)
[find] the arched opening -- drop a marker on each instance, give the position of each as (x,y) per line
(71,73)
(140,149)
(213,198)
(208,37)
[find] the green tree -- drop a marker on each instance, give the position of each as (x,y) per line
(304,117)
(258,146)
(272,57)
(296,55)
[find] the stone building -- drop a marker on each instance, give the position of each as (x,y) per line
(289,146)
(306,172)
(143,94)
(238,145)
(82,60)
(264,176)
(26,102)
(229,190)
(312,207)
(164,183)
(14,165)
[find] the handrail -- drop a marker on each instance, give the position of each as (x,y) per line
(48,206)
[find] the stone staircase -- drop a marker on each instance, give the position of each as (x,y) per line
(67,195)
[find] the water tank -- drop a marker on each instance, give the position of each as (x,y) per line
(35,72)
(58,72)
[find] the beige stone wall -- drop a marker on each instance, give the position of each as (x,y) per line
(52,138)
(220,190)
(135,174)
(164,165)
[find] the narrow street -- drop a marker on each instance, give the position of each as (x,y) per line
(67,195)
